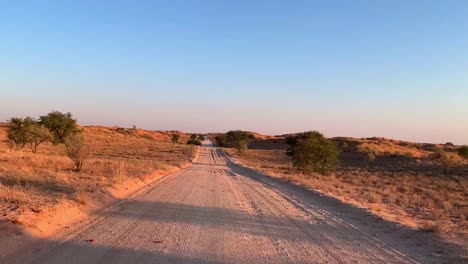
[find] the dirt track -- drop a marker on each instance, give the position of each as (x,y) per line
(218,212)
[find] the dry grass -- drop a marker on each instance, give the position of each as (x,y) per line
(389,148)
(33,181)
(82,197)
(412,191)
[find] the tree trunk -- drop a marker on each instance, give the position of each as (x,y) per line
(33,148)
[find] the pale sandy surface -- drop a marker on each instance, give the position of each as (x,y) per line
(218,212)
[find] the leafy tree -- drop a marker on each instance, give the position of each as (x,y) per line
(311,151)
(201,137)
(194,142)
(193,136)
(292,142)
(463,152)
(175,138)
(239,139)
(60,125)
(77,150)
(19,131)
(220,140)
(37,135)
(28,130)
(16,132)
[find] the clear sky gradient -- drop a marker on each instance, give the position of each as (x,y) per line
(396,69)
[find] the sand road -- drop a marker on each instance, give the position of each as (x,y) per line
(219,212)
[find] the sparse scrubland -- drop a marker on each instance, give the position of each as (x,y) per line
(79,169)
(52,159)
(422,186)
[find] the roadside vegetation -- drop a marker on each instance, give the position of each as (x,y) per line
(175,138)
(195,139)
(312,152)
(463,152)
(237,139)
(52,159)
(423,186)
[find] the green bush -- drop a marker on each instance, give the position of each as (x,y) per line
(220,140)
(194,142)
(175,138)
(239,139)
(311,151)
(60,125)
(37,135)
(463,152)
(28,130)
(17,131)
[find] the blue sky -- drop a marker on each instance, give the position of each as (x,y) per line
(397,69)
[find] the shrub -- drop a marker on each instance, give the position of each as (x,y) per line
(311,151)
(201,137)
(18,130)
(27,130)
(463,152)
(239,139)
(119,172)
(220,140)
(437,154)
(371,150)
(60,125)
(194,142)
(193,136)
(175,138)
(370,156)
(193,151)
(124,131)
(446,161)
(77,150)
(431,227)
(372,197)
(37,135)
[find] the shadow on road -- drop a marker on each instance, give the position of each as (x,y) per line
(91,252)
